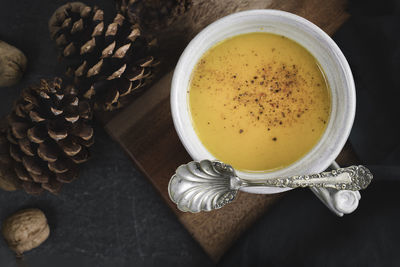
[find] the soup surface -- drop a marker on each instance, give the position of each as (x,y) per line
(259,101)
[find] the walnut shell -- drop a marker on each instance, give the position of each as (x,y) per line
(12,64)
(25,230)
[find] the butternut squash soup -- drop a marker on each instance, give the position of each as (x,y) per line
(259,101)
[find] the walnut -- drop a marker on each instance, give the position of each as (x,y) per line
(12,64)
(25,230)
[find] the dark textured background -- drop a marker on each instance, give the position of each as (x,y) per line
(111,216)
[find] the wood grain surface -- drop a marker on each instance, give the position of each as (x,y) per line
(145,128)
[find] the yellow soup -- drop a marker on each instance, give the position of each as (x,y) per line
(259,101)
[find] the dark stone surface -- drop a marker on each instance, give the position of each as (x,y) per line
(112,216)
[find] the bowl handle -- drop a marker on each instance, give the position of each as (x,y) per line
(339,202)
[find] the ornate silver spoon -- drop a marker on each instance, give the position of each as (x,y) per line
(209,185)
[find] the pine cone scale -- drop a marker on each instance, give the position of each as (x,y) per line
(15,153)
(70,147)
(53,186)
(58,166)
(32,188)
(31,165)
(81,157)
(37,134)
(47,153)
(42,179)
(26,147)
(67,177)
(22,173)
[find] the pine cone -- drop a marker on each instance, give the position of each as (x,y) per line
(49,133)
(153,14)
(108,62)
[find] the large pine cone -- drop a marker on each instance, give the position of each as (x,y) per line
(153,14)
(49,132)
(108,62)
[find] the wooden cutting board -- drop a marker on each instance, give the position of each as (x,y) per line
(145,129)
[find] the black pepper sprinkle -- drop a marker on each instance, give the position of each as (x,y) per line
(241,131)
(277,91)
(274,139)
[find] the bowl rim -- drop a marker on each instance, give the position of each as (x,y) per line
(339,58)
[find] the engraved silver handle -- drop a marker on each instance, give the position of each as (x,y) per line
(351,178)
(209,185)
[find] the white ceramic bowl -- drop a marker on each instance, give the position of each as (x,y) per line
(317,42)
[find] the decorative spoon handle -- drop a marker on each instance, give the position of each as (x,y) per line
(352,178)
(209,185)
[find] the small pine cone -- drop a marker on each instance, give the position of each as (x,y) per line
(106,62)
(153,15)
(49,133)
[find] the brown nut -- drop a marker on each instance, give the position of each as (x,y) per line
(25,230)
(12,64)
